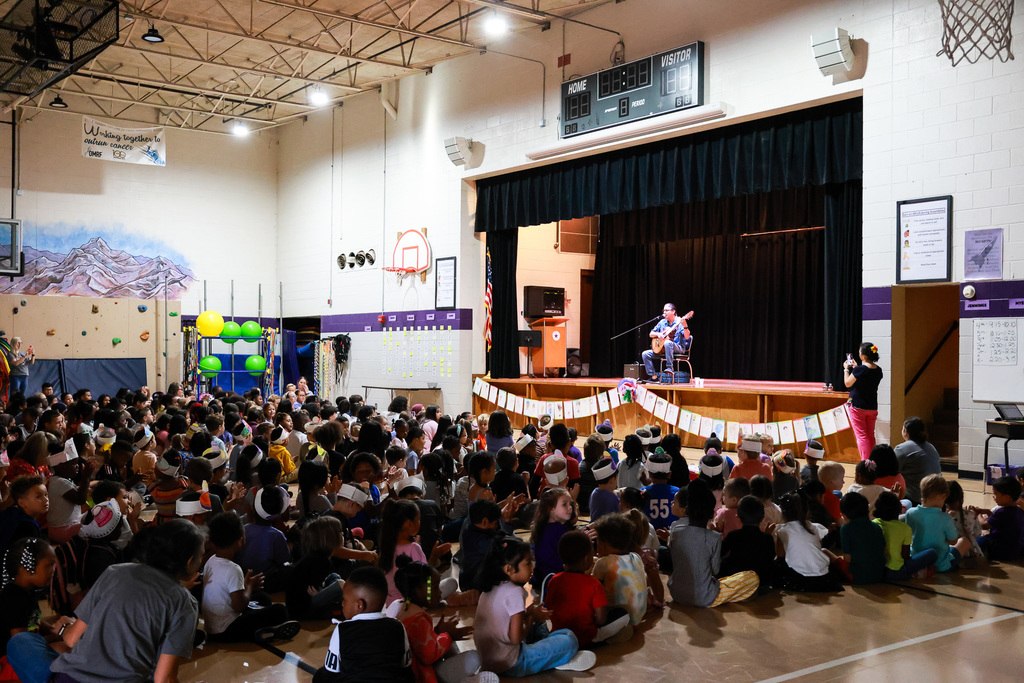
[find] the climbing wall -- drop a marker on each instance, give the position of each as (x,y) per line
(79,327)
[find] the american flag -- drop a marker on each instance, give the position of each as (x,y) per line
(487,303)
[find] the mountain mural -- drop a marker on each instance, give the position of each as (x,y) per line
(94,269)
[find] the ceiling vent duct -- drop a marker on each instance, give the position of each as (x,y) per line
(44,41)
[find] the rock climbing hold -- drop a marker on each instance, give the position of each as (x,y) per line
(144,336)
(24,302)
(115,341)
(173,314)
(15,310)
(50,333)
(95,308)
(143,309)
(84,333)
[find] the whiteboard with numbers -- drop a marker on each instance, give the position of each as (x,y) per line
(998,360)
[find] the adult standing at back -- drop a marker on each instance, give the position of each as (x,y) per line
(862,380)
(429,427)
(19,362)
(917,457)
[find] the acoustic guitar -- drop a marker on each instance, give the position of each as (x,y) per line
(658,343)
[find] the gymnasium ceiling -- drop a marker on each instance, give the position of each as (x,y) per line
(258,61)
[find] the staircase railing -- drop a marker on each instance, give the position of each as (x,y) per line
(938,347)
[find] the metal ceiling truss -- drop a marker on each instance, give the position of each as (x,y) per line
(258,61)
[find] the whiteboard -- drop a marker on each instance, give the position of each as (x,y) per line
(998,360)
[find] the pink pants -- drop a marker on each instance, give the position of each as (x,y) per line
(863,423)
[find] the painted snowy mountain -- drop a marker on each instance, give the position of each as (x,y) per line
(94,269)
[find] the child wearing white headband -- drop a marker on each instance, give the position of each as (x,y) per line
(750,464)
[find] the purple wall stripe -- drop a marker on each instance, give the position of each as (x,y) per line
(877,303)
(459,319)
(994,299)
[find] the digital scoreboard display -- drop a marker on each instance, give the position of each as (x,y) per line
(655,85)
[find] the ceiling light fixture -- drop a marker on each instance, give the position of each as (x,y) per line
(317,97)
(152,35)
(239,129)
(495,24)
(58,103)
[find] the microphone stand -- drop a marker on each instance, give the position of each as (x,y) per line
(648,322)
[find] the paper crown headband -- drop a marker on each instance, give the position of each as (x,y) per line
(67,455)
(779,460)
(814,450)
(353,493)
(143,437)
(101,520)
(524,441)
(187,508)
(605,430)
(217,457)
(416,482)
(659,467)
(604,472)
(260,510)
(281,437)
(750,444)
(311,426)
(166,468)
(710,470)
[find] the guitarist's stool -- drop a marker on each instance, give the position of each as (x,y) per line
(669,375)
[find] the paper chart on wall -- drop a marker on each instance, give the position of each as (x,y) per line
(592,405)
(641,394)
(685,417)
(660,406)
(758,428)
(842,420)
(786,432)
(477,385)
(502,396)
(578,410)
(799,431)
(732,432)
(584,405)
(519,405)
(613,399)
(828,422)
(705,426)
(744,429)
(602,402)
(812,427)
(718,427)
(556,410)
(649,401)
(492,394)
(672,414)
(565,407)
(773,431)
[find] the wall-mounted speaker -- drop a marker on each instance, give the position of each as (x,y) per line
(459,150)
(832,51)
(357,259)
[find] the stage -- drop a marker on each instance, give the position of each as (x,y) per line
(740,401)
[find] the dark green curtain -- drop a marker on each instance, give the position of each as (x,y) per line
(815,146)
(758,300)
(504,357)
(843,271)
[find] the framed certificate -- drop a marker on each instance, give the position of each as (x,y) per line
(444,285)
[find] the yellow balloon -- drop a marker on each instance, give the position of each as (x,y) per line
(209,323)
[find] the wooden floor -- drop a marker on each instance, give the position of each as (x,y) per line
(963,626)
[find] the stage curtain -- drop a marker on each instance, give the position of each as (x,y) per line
(815,146)
(504,356)
(759,300)
(843,271)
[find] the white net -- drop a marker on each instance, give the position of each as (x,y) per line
(972,29)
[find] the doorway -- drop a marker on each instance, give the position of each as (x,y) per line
(926,364)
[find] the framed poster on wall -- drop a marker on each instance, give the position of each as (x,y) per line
(444,285)
(924,240)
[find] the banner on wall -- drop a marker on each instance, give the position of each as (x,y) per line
(127,145)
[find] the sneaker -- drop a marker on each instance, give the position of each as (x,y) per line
(199,638)
(581,661)
(283,631)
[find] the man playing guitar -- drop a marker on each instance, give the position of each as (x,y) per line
(668,338)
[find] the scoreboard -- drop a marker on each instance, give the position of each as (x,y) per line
(652,86)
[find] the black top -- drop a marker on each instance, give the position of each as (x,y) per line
(475,544)
(749,549)
(431,520)
(507,482)
(308,572)
(21,610)
(679,475)
(365,651)
(864,392)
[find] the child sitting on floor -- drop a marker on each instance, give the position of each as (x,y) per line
(233,609)
(643,532)
(964,518)
(832,475)
(603,500)
(900,565)
(514,640)
(727,518)
(710,471)
(266,547)
(863,543)
(865,475)
(749,451)
(933,528)
(370,643)
(761,488)
(555,515)
(805,565)
(619,568)
(659,495)
(507,482)
(696,556)
(577,600)
(68,490)
(784,479)
(814,452)
(433,657)
(749,548)
(1005,524)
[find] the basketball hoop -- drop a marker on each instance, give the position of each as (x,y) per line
(399,272)
(972,29)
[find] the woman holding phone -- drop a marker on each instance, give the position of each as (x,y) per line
(19,362)
(862,380)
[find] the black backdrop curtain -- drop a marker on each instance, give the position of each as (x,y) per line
(758,300)
(504,356)
(819,147)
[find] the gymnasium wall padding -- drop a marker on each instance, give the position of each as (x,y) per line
(102,375)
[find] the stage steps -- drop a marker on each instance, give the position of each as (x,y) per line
(944,430)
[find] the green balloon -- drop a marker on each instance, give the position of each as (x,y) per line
(231,329)
(256,365)
(209,366)
(251,330)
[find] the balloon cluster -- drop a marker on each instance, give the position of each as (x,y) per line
(212,324)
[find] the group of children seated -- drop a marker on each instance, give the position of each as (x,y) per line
(559,548)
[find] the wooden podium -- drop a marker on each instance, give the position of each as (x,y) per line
(551,355)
